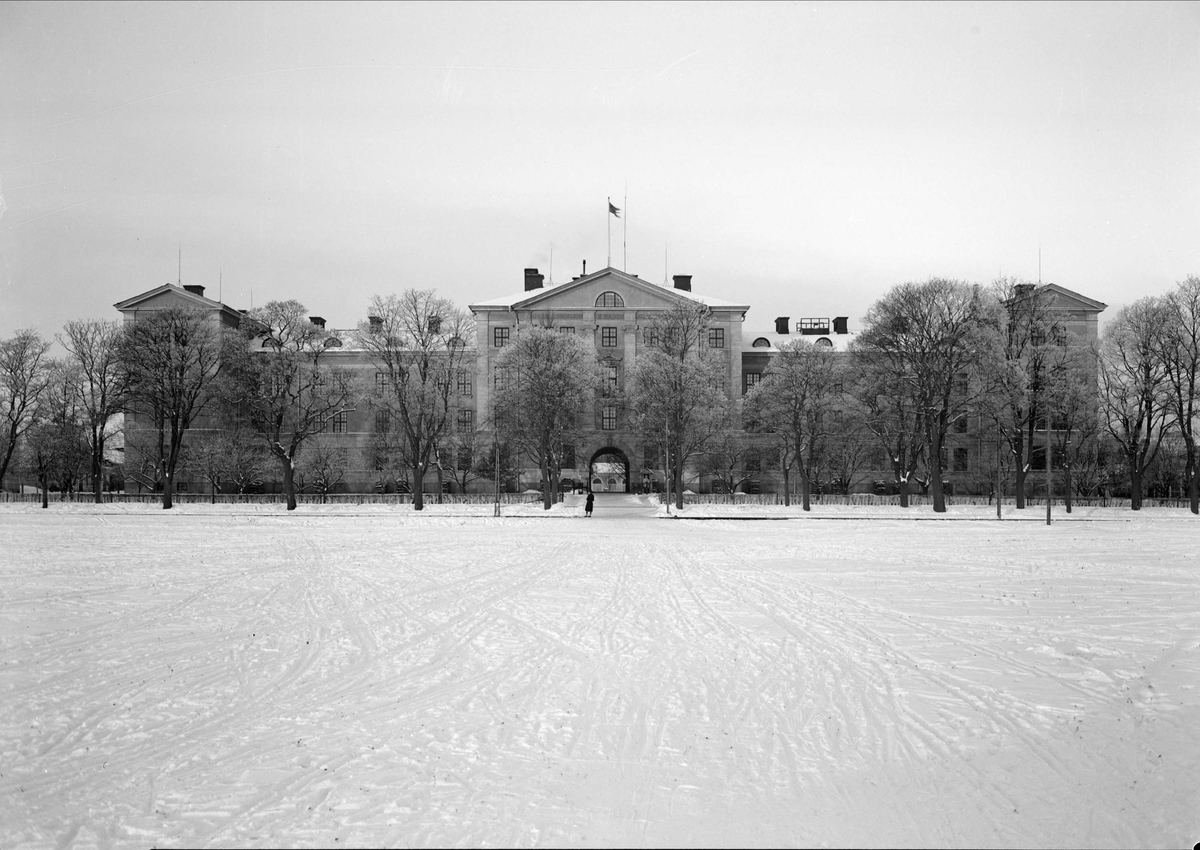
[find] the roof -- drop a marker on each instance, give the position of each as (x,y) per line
(528,300)
(178,292)
(839,342)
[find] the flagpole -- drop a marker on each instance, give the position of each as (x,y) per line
(625,233)
(608,217)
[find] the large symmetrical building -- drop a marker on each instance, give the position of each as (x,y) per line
(614,311)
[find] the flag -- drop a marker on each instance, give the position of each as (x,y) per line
(613,210)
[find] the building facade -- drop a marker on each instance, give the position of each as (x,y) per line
(613,311)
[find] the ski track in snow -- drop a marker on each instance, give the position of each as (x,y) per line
(220,679)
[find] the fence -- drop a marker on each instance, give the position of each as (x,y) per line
(868,499)
(278,498)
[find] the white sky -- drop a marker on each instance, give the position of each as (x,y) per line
(802,157)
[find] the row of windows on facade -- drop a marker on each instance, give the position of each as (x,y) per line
(609,337)
(463,382)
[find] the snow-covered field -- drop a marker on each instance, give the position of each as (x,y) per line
(355,676)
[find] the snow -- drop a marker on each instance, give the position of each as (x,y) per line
(365,675)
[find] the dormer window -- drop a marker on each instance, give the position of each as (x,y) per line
(761,342)
(823,342)
(610,299)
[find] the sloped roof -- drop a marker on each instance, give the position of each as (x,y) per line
(529,300)
(840,342)
(176,291)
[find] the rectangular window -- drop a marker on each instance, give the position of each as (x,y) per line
(716,337)
(567,329)
(612,376)
(752,378)
(608,419)
(466,421)
(608,337)
(500,337)
(464,458)
(960,425)
(383,420)
(338,424)
(382,381)
(651,336)
(961,463)
(464,382)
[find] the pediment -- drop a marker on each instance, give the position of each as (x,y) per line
(582,294)
(1066,299)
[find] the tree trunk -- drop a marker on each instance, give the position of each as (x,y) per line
(1135,488)
(902,484)
(168,498)
(787,487)
(677,474)
(1190,474)
(212,490)
(98,472)
(440,487)
(546,495)
(45,492)
(1019,473)
(289,482)
(935,458)
(419,487)
(805,488)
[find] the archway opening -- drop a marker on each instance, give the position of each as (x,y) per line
(608,471)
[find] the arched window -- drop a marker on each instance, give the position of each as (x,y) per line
(761,342)
(823,342)
(610,299)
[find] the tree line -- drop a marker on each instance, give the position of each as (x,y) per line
(935,360)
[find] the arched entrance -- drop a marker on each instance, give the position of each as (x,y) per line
(608,471)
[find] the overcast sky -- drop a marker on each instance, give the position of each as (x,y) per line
(802,158)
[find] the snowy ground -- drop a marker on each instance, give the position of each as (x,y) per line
(357,676)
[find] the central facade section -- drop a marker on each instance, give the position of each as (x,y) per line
(614,312)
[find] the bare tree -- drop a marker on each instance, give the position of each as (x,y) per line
(795,400)
(543,378)
(733,458)
(172,358)
(323,466)
(24,376)
(676,389)
(1018,381)
(1180,354)
(419,344)
(95,348)
(935,337)
(1133,387)
(279,378)
(57,448)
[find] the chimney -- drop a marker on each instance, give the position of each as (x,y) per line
(318,321)
(376,324)
(585,268)
(533,280)
(195,289)
(840,326)
(683,281)
(781,324)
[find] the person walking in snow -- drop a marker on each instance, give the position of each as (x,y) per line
(587,507)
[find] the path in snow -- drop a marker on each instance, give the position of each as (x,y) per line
(237,679)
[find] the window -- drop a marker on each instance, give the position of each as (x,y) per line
(338,424)
(823,342)
(608,337)
(610,299)
(753,462)
(761,342)
(960,425)
(464,382)
(837,418)
(651,337)
(838,387)
(961,385)
(608,418)
(612,373)
(500,337)
(568,456)
(716,337)
(382,382)
(466,421)
(752,378)
(500,379)
(567,329)
(463,460)
(383,420)
(961,463)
